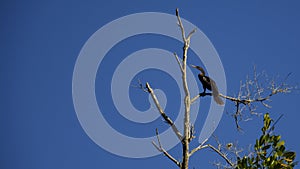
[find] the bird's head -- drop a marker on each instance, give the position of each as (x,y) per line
(199,68)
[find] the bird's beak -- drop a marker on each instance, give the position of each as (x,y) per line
(193,66)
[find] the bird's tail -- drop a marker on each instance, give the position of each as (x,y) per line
(217,98)
(215,94)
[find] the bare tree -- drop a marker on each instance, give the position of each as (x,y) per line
(251,93)
(186,137)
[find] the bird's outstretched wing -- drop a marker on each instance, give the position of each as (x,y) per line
(215,93)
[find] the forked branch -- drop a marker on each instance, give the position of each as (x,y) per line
(217,150)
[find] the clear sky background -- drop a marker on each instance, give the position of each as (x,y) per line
(41,40)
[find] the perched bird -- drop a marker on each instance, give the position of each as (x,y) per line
(209,84)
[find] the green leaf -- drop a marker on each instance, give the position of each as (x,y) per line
(289,155)
(270,151)
(281,143)
(265,148)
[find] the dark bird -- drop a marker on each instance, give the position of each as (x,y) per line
(209,84)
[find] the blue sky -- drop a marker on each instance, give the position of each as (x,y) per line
(41,40)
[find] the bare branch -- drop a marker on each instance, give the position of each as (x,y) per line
(161,149)
(224,156)
(179,62)
(195,98)
(140,86)
(200,95)
(162,113)
(190,34)
(185,39)
(198,148)
(180,24)
(252,92)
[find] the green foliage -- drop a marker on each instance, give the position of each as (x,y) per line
(270,151)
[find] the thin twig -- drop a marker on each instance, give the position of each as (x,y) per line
(140,86)
(180,24)
(161,149)
(198,148)
(247,100)
(252,92)
(276,121)
(179,62)
(224,156)
(190,34)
